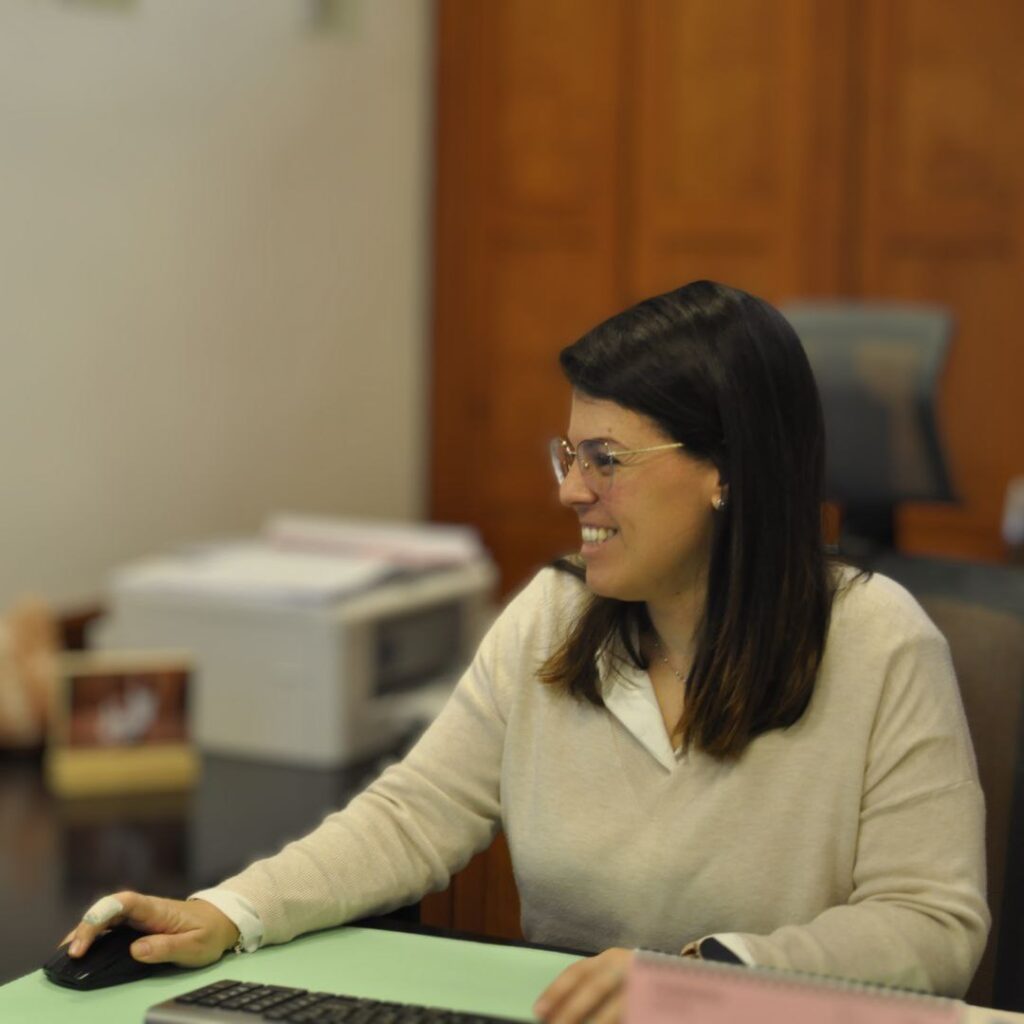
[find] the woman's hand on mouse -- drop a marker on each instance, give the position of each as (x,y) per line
(190,933)
(589,990)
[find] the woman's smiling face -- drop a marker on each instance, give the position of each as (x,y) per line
(646,533)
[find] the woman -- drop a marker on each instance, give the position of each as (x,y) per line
(699,736)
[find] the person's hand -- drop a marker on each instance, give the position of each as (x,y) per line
(189,933)
(590,990)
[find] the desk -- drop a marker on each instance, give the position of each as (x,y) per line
(475,976)
(485,977)
(58,856)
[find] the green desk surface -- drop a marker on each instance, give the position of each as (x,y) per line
(481,977)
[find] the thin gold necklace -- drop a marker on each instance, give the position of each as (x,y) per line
(664,658)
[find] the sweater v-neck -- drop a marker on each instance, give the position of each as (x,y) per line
(629,695)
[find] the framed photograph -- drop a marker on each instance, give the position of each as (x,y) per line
(120,724)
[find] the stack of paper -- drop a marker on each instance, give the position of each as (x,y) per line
(303,560)
(256,572)
(412,545)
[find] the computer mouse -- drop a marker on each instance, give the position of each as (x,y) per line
(107,961)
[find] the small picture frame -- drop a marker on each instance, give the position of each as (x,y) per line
(120,724)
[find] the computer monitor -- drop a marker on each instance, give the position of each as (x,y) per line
(877,366)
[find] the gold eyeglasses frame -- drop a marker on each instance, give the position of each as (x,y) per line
(563,455)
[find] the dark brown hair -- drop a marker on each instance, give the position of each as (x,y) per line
(723,372)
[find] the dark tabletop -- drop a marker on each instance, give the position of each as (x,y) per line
(57,856)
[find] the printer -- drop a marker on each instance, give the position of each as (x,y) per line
(320,680)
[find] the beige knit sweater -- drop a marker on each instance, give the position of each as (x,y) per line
(849,844)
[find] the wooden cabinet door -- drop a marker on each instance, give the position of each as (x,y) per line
(526,237)
(739,146)
(942,200)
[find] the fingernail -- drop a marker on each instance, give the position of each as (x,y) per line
(76,947)
(141,950)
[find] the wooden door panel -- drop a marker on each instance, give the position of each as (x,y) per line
(482,899)
(942,91)
(530,547)
(739,149)
(556,103)
(942,194)
(527,224)
(983,432)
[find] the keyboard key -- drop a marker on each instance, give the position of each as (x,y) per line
(199,993)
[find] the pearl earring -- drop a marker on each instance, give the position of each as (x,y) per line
(718,503)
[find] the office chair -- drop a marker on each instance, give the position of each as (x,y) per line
(980,610)
(877,366)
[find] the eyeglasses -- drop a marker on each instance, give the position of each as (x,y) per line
(597,459)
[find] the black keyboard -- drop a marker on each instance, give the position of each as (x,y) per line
(242,1001)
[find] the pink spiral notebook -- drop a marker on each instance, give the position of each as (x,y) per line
(672,990)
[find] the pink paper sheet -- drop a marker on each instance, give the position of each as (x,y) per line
(672,990)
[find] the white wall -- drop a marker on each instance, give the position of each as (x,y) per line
(213,273)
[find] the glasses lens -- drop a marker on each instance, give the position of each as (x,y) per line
(561,457)
(596,461)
